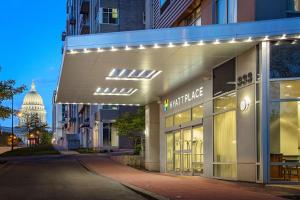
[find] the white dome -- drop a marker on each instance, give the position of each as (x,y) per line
(32,105)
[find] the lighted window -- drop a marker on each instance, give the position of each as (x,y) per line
(182,118)
(225,150)
(110,16)
(224,103)
(197,112)
(285,90)
(169,121)
(170,152)
(285,140)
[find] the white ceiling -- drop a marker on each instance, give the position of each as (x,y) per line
(83,73)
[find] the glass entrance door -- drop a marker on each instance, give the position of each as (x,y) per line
(185,151)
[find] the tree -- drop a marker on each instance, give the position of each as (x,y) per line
(132,125)
(36,129)
(7,91)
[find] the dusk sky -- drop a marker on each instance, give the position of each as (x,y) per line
(30,46)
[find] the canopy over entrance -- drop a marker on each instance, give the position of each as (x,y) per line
(138,67)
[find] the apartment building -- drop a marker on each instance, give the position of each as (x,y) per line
(93,123)
(219,80)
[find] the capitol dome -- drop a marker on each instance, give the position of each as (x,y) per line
(33,97)
(32,105)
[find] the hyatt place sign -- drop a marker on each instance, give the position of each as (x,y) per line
(181,100)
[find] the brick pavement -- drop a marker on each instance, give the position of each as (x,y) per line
(176,187)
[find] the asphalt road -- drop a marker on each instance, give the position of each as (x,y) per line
(60,178)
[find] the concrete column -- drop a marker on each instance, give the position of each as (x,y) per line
(152,137)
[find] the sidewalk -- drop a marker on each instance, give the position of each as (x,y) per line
(176,187)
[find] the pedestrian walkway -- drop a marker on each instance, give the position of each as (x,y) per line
(175,187)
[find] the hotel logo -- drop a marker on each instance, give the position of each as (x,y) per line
(166,105)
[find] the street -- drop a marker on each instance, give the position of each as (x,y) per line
(57,178)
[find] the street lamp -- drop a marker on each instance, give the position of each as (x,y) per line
(12,121)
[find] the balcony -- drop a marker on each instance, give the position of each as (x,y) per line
(63,36)
(84,7)
(84,24)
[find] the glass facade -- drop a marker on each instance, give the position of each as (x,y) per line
(285,112)
(226,11)
(285,59)
(182,117)
(197,112)
(185,151)
(225,153)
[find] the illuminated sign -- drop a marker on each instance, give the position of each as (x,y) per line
(181,100)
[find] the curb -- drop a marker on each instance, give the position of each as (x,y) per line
(140,191)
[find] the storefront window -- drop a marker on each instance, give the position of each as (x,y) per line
(285,141)
(182,117)
(197,112)
(197,150)
(285,89)
(227,102)
(225,151)
(170,152)
(285,59)
(169,121)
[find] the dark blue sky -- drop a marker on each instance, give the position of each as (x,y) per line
(30,45)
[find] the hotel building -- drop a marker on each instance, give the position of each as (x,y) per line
(221,91)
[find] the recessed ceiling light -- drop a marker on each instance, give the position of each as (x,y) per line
(115,92)
(142,47)
(132,74)
(288,86)
(171,45)
(156,46)
(186,44)
(201,43)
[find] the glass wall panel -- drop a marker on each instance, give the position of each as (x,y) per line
(232,11)
(285,141)
(285,59)
(197,112)
(170,152)
(177,149)
(224,78)
(183,117)
(284,89)
(221,11)
(225,145)
(224,103)
(169,121)
(197,150)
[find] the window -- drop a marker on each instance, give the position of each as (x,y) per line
(225,151)
(110,16)
(226,11)
(224,78)
(161,2)
(285,89)
(285,59)
(169,122)
(224,103)
(182,118)
(197,112)
(294,5)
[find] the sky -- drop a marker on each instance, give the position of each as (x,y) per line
(30,46)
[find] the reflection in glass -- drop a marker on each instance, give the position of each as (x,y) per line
(285,59)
